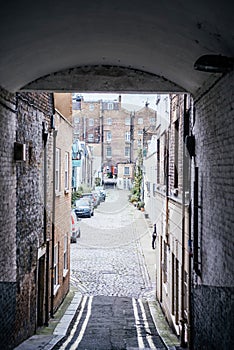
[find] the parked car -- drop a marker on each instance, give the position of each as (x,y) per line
(102,192)
(83,208)
(75,227)
(92,199)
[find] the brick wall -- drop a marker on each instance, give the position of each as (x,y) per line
(7,217)
(33,110)
(63,206)
(213,292)
(21,212)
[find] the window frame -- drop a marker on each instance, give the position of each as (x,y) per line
(91,121)
(57,169)
(140,121)
(127,136)
(108,136)
(127,154)
(65,255)
(109,121)
(66,171)
(56,268)
(126,173)
(108,150)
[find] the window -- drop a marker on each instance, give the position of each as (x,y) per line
(126,170)
(140,132)
(91,107)
(153,121)
(109,121)
(140,121)
(65,264)
(56,279)
(66,171)
(110,105)
(127,136)
(108,136)
(57,169)
(76,120)
(127,152)
(90,137)
(127,121)
(91,121)
(108,152)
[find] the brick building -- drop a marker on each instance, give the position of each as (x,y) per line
(62,198)
(26,181)
(120,133)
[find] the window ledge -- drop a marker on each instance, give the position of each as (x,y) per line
(56,288)
(65,272)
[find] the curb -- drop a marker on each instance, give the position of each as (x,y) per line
(48,342)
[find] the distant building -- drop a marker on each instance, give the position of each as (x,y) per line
(119,132)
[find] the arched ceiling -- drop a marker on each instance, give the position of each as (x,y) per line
(140,45)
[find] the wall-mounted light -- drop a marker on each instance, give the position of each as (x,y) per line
(214,64)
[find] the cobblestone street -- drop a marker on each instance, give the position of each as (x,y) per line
(107,259)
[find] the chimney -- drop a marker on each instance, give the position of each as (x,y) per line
(120,99)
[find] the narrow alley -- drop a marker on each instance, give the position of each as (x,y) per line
(109,269)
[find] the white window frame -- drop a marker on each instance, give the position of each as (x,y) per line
(65,256)
(127,151)
(127,136)
(57,169)
(108,136)
(128,121)
(91,107)
(56,268)
(91,122)
(66,171)
(90,137)
(140,121)
(109,121)
(108,151)
(126,173)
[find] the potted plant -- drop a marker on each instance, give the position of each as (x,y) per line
(141,205)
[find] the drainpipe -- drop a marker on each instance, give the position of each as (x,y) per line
(45,137)
(53,227)
(184,187)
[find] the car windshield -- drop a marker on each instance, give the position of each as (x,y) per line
(82,202)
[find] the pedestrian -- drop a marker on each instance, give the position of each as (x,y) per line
(154,236)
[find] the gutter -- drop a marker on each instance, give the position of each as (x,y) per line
(53,227)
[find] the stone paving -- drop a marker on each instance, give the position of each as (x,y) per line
(113,258)
(107,259)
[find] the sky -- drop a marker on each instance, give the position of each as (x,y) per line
(132,102)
